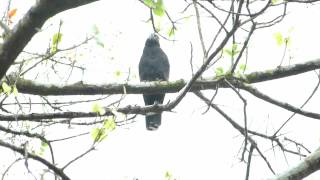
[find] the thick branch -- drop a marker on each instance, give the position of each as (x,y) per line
(38,117)
(303,169)
(283,71)
(29,25)
(31,87)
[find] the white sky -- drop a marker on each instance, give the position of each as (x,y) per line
(189,145)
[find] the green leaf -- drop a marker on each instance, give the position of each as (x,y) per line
(43,147)
(109,124)
(159,8)
(95,30)
(232,51)
(117,73)
(228,51)
(219,71)
(149,3)
(53,49)
(234,47)
(6,88)
(168,175)
(274,2)
(99,42)
(172,31)
(98,134)
(279,38)
(98,109)
(242,67)
(57,37)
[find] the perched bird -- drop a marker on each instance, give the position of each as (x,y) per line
(154,65)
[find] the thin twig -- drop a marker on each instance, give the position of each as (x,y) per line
(307,100)
(252,147)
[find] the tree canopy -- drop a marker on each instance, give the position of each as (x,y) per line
(69,81)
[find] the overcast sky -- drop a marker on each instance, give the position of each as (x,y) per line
(189,144)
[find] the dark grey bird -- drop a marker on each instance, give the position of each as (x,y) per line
(154,66)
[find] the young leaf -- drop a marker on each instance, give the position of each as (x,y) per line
(234,47)
(219,71)
(149,3)
(53,49)
(228,51)
(159,8)
(99,42)
(278,37)
(98,109)
(43,147)
(109,124)
(275,1)
(57,37)
(232,51)
(12,13)
(168,175)
(242,67)
(172,31)
(117,73)
(95,29)
(98,134)
(6,88)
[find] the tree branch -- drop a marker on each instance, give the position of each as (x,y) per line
(303,169)
(38,117)
(35,88)
(29,25)
(235,125)
(283,105)
(21,151)
(284,71)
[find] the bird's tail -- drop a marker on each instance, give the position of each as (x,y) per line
(153,121)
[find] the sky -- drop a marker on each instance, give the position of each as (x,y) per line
(189,144)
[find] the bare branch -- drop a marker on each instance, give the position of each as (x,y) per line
(235,125)
(21,151)
(38,117)
(307,100)
(29,25)
(199,29)
(284,105)
(249,161)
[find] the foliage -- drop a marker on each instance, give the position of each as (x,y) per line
(99,134)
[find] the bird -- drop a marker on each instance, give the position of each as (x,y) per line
(153,66)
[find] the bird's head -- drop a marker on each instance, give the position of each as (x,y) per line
(153,40)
